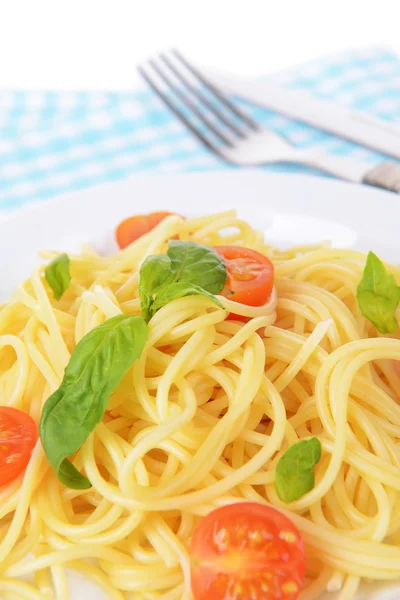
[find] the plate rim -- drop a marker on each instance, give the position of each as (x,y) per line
(31,207)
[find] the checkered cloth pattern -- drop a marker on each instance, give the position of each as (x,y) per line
(55,142)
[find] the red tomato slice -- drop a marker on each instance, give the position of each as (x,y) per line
(134,227)
(247,551)
(18,436)
(250,277)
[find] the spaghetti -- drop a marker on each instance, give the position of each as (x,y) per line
(202,419)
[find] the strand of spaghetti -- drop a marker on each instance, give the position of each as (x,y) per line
(350,588)
(68,530)
(37,357)
(391,346)
(320,254)
(184,330)
(64,556)
(199,344)
(100,300)
(21,379)
(204,495)
(45,342)
(345,321)
(173,314)
(195,223)
(318,586)
(305,352)
(60,583)
(24,297)
(367,464)
(22,590)
(213,226)
(42,578)
(161,432)
(248,384)
(382,518)
(22,507)
(23,547)
(48,317)
(357,518)
(152,583)
(236,341)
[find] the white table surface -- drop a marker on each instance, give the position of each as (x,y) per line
(95,44)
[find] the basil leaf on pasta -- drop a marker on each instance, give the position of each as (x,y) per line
(198,264)
(187,269)
(378,295)
(155,273)
(294,475)
(96,367)
(58,275)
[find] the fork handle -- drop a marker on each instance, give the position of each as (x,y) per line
(385,175)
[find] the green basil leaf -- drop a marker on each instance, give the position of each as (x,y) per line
(197,264)
(294,475)
(96,367)
(58,276)
(187,269)
(378,295)
(155,272)
(179,290)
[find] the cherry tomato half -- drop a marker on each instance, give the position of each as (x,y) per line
(134,227)
(247,550)
(18,436)
(250,277)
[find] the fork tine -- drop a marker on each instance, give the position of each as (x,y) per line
(164,98)
(183,97)
(239,113)
(200,96)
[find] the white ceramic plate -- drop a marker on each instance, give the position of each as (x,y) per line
(290,209)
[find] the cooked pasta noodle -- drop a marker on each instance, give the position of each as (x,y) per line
(201,420)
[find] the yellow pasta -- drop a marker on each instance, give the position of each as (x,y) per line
(201,421)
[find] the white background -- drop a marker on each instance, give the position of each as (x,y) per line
(95,44)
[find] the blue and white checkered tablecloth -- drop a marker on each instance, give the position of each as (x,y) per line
(54,142)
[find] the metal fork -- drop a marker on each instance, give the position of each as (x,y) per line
(235,137)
